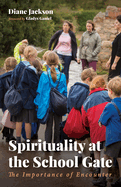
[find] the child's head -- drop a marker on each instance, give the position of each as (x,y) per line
(37,64)
(10,63)
(114,87)
(87,75)
(52,62)
(45,55)
(21,48)
(30,53)
(98,82)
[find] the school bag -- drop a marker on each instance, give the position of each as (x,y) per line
(77,95)
(12,99)
(74,127)
(58,101)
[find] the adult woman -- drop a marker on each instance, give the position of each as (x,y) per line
(65,45)
(90,46)
(115,60)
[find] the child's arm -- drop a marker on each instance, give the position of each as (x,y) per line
(100,124)
(105,116)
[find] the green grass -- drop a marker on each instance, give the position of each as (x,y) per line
(103,72)
(2,60)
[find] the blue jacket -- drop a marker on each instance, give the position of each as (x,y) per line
(5,80)
(110,118)
(27,84)
(42,99)
(77,95)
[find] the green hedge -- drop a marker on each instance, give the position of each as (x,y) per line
(83,16)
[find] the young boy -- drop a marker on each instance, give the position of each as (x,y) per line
(111,119)
(80,90)
(77,95)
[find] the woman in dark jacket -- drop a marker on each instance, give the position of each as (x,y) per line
(27,85)
(115,60)
(5,79)
(65,45)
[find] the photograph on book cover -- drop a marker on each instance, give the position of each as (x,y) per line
(60,91)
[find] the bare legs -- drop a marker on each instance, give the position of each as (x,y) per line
(27,129)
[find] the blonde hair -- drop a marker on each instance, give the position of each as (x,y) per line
(37,64)
(52,61)
(10,63)
(92,23)
(98,82)
(29,51)
(70,25)
(115,85)
(22,47)
(45,55)
(88,73)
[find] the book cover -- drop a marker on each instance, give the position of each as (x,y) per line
(37,21)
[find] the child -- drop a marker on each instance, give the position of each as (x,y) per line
(45,66)
(19,50)
(92,109)
(27,86)
(77,95)
(38,65)
(79,91)
(9,65)
(111,119)
(47,80)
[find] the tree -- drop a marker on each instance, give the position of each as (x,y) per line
(12,31)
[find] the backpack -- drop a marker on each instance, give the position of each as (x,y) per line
(13,100)
(74,127)
(77,95)
(58,101)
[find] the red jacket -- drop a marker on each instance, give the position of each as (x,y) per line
(91,111)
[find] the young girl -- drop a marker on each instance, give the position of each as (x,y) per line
(47,80)
(45,66)
(38,65)
(27,85)
(9,65)
(91,111)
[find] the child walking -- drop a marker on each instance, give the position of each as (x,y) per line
(91,111)
(111,120)
(47,80)
(27,86)
(5,79)
(77,95)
